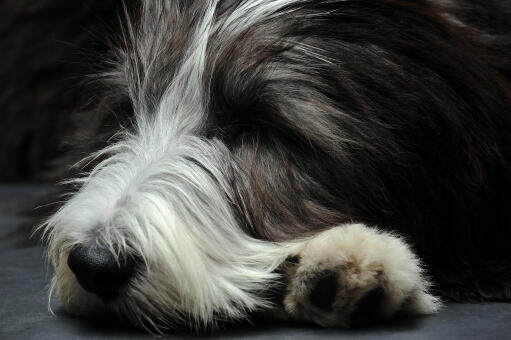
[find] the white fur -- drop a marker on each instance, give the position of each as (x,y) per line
(365,259)
(177,217)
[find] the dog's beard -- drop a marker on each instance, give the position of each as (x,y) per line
(173,211)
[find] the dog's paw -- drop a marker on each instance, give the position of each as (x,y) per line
(353,274)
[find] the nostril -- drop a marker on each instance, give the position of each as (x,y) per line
(97,269)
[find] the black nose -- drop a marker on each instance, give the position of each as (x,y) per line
(98,271)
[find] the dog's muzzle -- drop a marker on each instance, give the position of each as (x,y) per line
(99,271)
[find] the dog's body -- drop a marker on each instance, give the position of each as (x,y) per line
(258,131)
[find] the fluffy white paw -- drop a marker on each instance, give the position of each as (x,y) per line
(354,274)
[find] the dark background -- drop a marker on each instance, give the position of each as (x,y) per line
(47,49)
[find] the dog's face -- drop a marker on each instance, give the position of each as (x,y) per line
(154,232)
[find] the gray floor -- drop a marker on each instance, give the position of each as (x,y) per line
(24,304)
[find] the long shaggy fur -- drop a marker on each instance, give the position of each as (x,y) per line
(249,125)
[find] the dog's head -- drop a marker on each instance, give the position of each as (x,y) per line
(221,149)
(154,231)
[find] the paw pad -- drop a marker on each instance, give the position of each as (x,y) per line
(325,290)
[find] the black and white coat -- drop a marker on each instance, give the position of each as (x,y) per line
(294,156)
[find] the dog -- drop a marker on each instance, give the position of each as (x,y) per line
(328,161)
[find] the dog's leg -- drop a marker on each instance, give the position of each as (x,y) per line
(353,274)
